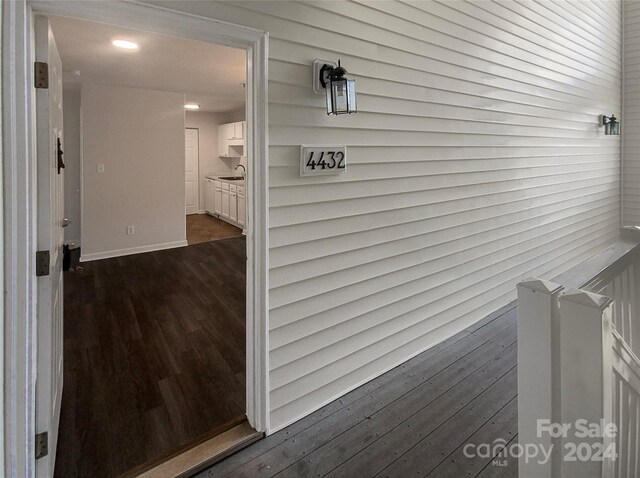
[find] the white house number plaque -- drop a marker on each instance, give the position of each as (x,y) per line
(322,160)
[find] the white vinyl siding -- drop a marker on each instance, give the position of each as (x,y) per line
(631,120)
(475,160)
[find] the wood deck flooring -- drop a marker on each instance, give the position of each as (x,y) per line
(154,349)
(412,421)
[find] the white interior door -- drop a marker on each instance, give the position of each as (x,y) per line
(50,206)
(191,161)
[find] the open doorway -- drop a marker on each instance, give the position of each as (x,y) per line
(19,101)
(154,347)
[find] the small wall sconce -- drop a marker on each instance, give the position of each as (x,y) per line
(340,91)
(611,125)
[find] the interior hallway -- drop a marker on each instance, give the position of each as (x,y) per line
(154,355)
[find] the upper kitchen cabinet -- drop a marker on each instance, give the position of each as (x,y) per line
(238,131)
(231,139)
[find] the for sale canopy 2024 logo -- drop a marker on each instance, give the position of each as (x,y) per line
(588,442)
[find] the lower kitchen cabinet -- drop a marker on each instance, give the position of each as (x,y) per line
(217,198)
(242,206)
(226,201)
(209,195)
(233,204)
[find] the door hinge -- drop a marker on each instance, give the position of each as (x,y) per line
(42,263)
(60,153)
(41,74)
(42,444)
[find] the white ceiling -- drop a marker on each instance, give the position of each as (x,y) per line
(210,75)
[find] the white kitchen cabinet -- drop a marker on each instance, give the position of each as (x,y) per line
(209,196)
(238,130)
(242,206)
(217,198)
(233,206)
(225,200)
(231,135)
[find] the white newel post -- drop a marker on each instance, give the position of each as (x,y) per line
(586,376)
(538,330)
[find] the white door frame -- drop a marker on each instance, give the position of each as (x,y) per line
(19,177)
(198,185)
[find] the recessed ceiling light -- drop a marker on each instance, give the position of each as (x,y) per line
(125,44)
(191,106)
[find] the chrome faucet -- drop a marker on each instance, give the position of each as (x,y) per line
(244,170)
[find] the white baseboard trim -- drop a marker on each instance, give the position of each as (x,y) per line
(132,250)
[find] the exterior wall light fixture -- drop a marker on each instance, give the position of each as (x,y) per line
(611,125)
(340,91)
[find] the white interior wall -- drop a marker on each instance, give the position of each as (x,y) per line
(475,160)
(631,119)
(139,137)
(71,149)
(234,116)
(210,163)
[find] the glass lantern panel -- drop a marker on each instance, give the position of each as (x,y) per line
(351,93)
(339,89)
(329,94)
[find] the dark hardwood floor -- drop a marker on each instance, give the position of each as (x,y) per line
(154,355)
(415,420)
(205,228)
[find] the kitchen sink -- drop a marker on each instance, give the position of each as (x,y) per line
(232,178)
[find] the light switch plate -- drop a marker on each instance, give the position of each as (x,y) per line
(100,168)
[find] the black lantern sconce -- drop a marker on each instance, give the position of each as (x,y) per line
(340,91)
(611,125)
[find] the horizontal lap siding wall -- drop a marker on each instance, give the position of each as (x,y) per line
(475,160)
(631,120)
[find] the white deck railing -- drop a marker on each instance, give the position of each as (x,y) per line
(621,282)
(625,412)
(579,372)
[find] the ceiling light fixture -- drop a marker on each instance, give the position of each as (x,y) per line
(191,106)
(125,44)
